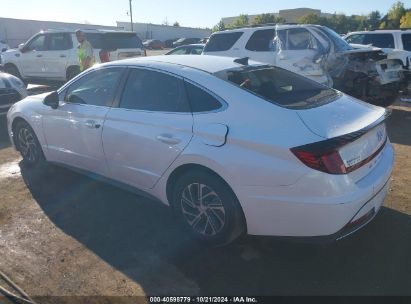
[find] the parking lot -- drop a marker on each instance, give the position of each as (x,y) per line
(65,234)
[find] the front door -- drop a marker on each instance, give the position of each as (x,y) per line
(31,57)
(73,131)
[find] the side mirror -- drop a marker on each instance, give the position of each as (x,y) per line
(52,100)
(22,48)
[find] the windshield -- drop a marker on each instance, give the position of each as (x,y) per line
(280,87)
(339,43)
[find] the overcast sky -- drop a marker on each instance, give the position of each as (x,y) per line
(196,13)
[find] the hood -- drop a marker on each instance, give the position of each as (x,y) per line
(343,116)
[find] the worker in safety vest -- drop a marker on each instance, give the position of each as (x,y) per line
(84,52)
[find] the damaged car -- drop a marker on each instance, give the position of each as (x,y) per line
(318,53)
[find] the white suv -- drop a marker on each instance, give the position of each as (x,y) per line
(52,55)
(318,53)
(393,39)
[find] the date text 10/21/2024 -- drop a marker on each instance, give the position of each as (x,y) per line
(203,300)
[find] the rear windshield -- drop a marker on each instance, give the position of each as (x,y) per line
(280,87)
(222,42)
(113,41)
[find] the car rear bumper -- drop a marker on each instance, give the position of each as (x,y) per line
(291,212)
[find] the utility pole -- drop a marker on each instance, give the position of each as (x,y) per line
(131,16)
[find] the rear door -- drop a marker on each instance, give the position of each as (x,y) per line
(149,129)
(73,131)
(261,46)
(56,58)
(31,59)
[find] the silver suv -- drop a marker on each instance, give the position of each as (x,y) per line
(52,55)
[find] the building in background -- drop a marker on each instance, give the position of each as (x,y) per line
(164,32)
(290,15)
(16,31)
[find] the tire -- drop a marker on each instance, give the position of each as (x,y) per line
(72,72)
(28,145)
(217,218)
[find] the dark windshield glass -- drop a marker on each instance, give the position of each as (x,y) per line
(122,41)
(280,87)
(339,43)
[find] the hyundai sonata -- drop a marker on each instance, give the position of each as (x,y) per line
(232,146)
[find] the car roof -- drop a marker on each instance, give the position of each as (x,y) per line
(206,63)
(264,27)
(102,31)
(380,31)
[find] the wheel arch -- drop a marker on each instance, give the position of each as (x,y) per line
(184,168)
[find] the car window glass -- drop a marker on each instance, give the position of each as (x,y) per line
(95,40)
(113,41)
(200,100)
(154,91)
(356,39)
(261,41)
(58,42)
(280,87)
(37,44)
(297,39)
(380,40)
(222,42)
(96,88)
(197,51)
(406,41)
(181,51)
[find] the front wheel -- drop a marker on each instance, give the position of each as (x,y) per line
(208,208)
(28,145)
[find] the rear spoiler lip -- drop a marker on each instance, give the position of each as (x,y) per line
(334,143)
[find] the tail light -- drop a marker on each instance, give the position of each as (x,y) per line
(324,156)
(104,56)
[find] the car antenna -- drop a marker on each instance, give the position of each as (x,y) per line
(243,61)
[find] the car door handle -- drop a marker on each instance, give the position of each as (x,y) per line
(92,124)
(39,55)
(168,139)
(63,56)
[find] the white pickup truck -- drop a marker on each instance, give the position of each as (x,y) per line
(52,55)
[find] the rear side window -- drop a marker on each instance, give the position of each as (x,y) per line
(355,39)
(154,91)
(261,41)
(297,39)
(95,40)
(380,40)
(222,42)
(406,41)
(59,42)
(200,100)
(280,87)
(113,41)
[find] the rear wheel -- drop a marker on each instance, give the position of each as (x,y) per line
(28,145)
(208,208)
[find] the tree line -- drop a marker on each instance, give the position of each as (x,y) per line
(397,17)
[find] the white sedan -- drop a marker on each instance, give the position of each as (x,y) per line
(233,146)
